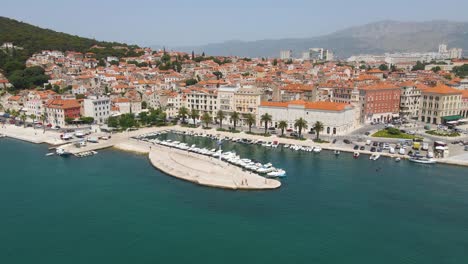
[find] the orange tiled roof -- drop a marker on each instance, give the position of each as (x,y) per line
(441,89)
(328,106)
(63,104)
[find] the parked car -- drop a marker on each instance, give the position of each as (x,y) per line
(289,130)
(347,141)
(356,147)
(362,148)
(367,133)
(373,149)
(294,134)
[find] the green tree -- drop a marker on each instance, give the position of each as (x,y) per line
(23,119)
(318,127)
(68,120)
(300,124)
(144,118)
(250,119)
(436,69)
(265,119)
(220,116)
(113,121)
(144,105)
(194,115)
(383,67)
(33,118)
(43,119)
(183,113)
(87,119)
(218,74)
(418,67)
(206,118)
(190,82)
(282,125)
(275,62)
(235,117)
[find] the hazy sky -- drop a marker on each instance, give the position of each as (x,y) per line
(193,22)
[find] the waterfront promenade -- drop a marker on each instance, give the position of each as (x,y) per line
(207,171)
(125,142)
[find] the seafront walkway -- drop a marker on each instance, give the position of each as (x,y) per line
(123,141)
(207,171)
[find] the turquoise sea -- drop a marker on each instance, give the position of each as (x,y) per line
(116,208)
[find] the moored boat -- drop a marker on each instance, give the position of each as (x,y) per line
(356,155)
(422,160)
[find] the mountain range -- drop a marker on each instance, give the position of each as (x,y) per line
(374,38)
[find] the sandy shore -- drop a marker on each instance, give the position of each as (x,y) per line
(207,171)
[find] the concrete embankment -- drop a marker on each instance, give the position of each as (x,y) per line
(207,171)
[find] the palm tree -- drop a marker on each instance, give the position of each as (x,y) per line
(220,116)
(33,117)
(194,115)
(183,112)
(43,119)
(250,119)
(23,119)
(235,118)
(300,124)
(282,125)
(206,118)
(318,127)
(266,118)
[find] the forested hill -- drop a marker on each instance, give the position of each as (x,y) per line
(35,39)
(32,39)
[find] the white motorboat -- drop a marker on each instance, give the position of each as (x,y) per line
(317,149)
(374,157)
(398,159)
(422,160)
(277,173)
(62,152)
(337,152)
(356,155)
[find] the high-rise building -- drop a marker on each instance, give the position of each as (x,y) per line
(286,54)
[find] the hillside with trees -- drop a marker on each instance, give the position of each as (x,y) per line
(31,39)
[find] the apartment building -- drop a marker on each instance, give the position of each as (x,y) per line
(440,104)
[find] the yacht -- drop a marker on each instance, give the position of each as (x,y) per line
(356,155)
(317,149)
(374,157)
(337,152)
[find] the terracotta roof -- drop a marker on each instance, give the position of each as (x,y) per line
(328,106)
(465,94)
(63,104)
(441,89)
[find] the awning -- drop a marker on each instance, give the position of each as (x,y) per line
(452,118)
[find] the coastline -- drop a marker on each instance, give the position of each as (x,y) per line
(122,141)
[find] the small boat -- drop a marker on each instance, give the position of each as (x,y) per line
(398,159)
(374,157)
(62,152)
(422,160)
(356,155)
(277,173)
(317,149)
(2,136)
(337,152)
(50,154)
